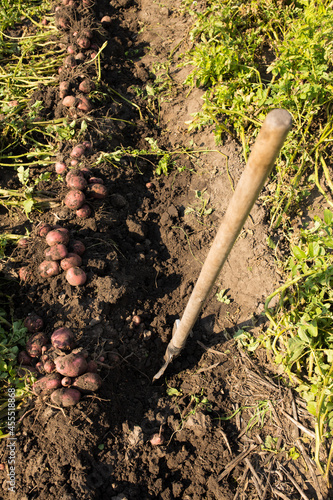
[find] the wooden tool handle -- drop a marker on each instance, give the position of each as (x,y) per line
(260,163)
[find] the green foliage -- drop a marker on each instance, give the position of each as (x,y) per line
(300,334)
(12,340)
(251,57)
(222,297)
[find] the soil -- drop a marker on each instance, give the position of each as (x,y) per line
(223,417)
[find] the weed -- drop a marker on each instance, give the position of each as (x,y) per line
(12,339)
(300,333)
(222,296)
(255,56)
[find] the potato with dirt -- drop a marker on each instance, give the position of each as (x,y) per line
(88,382)
(49,382)
(33,323)
(35,344)
(74,199)
(65,397)
(63,338)
(56,252)
(49,268)
(58,236)
(71,365)
(76,276)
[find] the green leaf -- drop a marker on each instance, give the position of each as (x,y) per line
(172,391)
(328,217)
(299,254)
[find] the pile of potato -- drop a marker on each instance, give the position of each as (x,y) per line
(63,371)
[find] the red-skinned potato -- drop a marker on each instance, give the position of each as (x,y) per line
(96,180)
(97,191)
(71,365)
(77,182)
(66,382)
(35,344)
(83,42)
(63,89)
(60,167)
(84,212)
(56,252)
(33,323)
(48,383)
(74,199)
(76,276)
(80,56)
(69,62)
(23,243)
(69,101)
(49,366)
(63,339)
(23,358)
(86,172)
(86,86)
(23,273)
(49,268)
(78,247)
(72,260)
(84,105)
(65,397)
(57,236)
(44,229)
(78,151)
(73,173)
(88,382)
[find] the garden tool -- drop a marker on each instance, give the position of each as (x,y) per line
(266,148)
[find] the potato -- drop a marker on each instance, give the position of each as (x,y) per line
(23,273)
(23,242)
(49,268)
(97,191)
(72,260)
(47,383)
(86,172)
(73,173)
(83,42)
(23,358)
(86,86)
(96,180)
(44,229)
(66,382)
(35,344)
(33,323)
(88,382)
(74,199)
(76,276)
(49,366)
(77,151)
(57,236)
(80,57)
(106,20)
(78,247)
(69,101)
(84,104)
(71,365)
(77,182)
(65,397)
(63,89)
(84,212)
(69,62)
(56,252)
(60,167)
(63,339)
